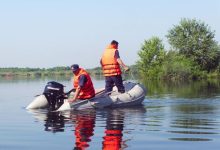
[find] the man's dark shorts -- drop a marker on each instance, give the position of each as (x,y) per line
(114,80)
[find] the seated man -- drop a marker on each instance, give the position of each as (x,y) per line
(82,84)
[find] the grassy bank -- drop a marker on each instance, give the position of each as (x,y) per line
(41,72)
(35,72)
(55,71)
(65,72)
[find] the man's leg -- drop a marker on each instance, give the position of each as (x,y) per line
(108,84)
(119,83)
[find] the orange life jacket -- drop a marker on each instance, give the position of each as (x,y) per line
(87,91)
(110,65)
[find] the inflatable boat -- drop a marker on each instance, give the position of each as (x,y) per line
(134,95)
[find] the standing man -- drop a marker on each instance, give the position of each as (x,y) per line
(82,84)
(111,63)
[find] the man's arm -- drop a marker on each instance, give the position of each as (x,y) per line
(121,63)
(78,89)
(101,62)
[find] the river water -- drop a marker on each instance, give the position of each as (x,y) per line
(181,116)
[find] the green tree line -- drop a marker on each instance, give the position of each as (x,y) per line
(38,72)
(193,54)
(15,71)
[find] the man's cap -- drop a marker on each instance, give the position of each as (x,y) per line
(74,67)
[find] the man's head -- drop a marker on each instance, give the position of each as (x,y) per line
(114,44)
(75,68)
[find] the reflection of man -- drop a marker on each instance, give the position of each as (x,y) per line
(82,84)
(84,128)
(113,132)
(111,63)
(54,122)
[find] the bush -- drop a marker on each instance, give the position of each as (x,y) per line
(177,66)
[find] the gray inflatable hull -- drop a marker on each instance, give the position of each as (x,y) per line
(134,95)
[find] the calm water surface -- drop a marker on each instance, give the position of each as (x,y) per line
(173,116)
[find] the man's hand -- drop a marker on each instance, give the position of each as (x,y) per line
(126,68)
(72,100)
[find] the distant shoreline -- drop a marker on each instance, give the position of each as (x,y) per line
(14,72)
(41,72)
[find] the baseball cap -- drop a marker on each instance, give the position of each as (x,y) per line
(74,67)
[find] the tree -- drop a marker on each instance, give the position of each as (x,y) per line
(195,40)
(178,66)
(151,56)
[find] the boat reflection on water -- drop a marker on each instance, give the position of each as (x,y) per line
(84,122)
(54,122)
(114,130)
(115,123)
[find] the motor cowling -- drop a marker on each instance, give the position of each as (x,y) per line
(54,92)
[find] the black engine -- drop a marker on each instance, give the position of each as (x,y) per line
(54,92)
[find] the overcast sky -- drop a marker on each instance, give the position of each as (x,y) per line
(48,33)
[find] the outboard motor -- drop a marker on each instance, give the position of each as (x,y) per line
(54,92)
